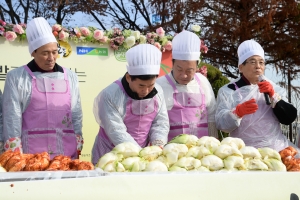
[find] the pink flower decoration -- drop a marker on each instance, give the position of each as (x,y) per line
(85,31)
(10,36)
(156,44)
(63,35)
(203,71)
(148,36)
(98,34)
(160,32)
(203,47)
(151,41)
(104,39)
(18,29)
(23,25)
(168,46)
(56,27)
(3,23)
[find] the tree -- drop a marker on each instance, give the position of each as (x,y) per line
(228,23)
(214,76)
(273,23)
(15,11)
(20,11)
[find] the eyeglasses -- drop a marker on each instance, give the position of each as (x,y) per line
(255,62)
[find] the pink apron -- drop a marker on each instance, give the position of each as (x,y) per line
(138,120)
(47,121)
(188,114)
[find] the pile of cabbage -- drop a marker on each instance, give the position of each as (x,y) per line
(189,153)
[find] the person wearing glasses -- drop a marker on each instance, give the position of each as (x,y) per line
(242,105)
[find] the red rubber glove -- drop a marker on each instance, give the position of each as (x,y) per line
(248,107)
(266,87)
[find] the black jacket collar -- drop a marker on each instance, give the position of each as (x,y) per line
(35,68)
(240,83)
(134,95)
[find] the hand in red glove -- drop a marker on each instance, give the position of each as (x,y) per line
(248,107)
(266,87)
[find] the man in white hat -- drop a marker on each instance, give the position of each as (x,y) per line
(189,96)
(132,109)
(41,101)
(243,107)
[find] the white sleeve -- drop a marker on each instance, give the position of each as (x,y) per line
(209,97)
(225,119)
(109,111)
(167,90)
(12,106)
(75,103)
(160,126)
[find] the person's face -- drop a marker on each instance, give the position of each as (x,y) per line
(184,70)
(45,56)
(254,67)
(141,87)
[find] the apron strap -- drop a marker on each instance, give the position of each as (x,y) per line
(200,89)
(118,82)
(29,72)
(171,83)
(235,85)
(65,74)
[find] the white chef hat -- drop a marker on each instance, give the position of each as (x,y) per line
(186,46)
(38,33)
(143,59)
(249,48)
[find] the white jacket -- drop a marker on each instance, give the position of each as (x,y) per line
(17,94)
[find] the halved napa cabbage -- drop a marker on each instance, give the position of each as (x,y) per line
(156,166)
(176,168)
(188,163)
(150,153)
(114,167)
(269,153)
(127,149)
(226,150)
(139,166)
(193,152)
(234,163)
(198,152)
(234,142)
(250,152)
(203,152)
(128,162)
(108,158)
(202,169)
(212,162)
(275,165)
(255,164)
(210,143)
(188,140)
(174,151)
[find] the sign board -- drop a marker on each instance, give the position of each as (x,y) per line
(156,18)
(96,67)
